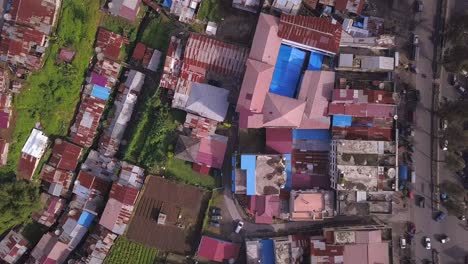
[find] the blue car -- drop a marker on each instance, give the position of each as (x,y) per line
(440,216)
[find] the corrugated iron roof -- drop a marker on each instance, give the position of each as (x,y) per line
(110,43)
(65,155)
(311,32)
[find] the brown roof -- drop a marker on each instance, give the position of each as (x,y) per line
(65,155)
(315,32)
(110,43)
(180,203)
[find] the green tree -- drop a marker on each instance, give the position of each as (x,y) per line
(18,199)
(209,10)
(456,58)
(454,162)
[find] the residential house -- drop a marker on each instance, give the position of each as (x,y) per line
(365,173)
(361,63)
(43,248)
(149,58)
(311,205)
(271,94)
(204,100)
(105,73)
(12,247)
(25,33)
(89,193)
(5,110)
(217,250)
(289,249)
(131,175)
(124,103)
(65,155)
(205,153)
(93,102)
(119,208)
(264,208)
(186,10)
(350,245)
(66,55)
(365,32)
(127,9)
(103,167)
(200,59)
(31,154)
(247,5)
(56,181)
(291,7)
(4,147)
(110,44)
(52,208)
(263,174)
(98,245)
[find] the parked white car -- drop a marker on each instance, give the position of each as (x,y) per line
(239,227)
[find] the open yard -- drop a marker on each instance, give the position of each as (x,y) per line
(179,207)
(182,171)
(125,251)
(50,95)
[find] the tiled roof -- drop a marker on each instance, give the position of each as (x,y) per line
(311,32)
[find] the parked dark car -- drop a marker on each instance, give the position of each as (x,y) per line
(440,216)
(421,201)
(214,223)
(215,211)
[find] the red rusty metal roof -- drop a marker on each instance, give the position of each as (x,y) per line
(110,43)
(124,194)
(86,123)
(53,175)
(314,32)
(352,6)
(35,13)
(26,167)
(65,155)
(139,51)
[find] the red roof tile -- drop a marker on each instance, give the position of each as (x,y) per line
(65,155)
(314,32)
(217,250)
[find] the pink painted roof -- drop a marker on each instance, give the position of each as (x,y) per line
(356,254)
(281,111)
(365,237)
(266,43)
(217,250)
(247,119)
(315,32)
(264,208)
(212,150)
(308,202)
(378,253)
(316,89)
(279,140)
(255,85)
(59,252)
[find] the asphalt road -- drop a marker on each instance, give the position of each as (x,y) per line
(453,252)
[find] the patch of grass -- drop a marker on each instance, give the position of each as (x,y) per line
(209,11)
(125,251)
(152,140)
(182,171)
(51,94)
(157,33)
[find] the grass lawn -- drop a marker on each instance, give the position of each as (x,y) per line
(156,34)
(182,171)
(51,95)
(125,251)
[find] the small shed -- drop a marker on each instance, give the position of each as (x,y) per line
(211,28)
(66,55)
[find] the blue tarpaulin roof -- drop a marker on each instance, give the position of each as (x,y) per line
(311,134)
(268,252)
(315,61)
(288,184)
(100,92)
(86,219)
(249,164)
(403,171)
(342,120)
(167,3)
(287,72)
